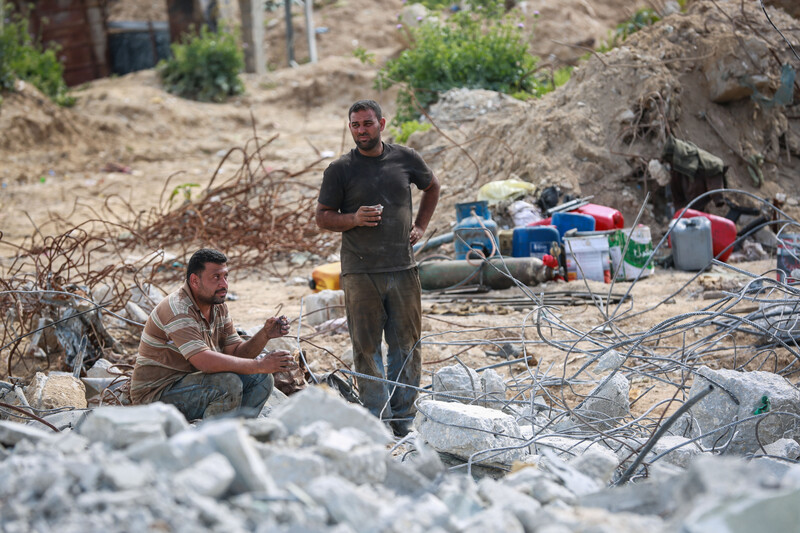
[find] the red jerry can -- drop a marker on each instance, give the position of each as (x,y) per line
(605,218)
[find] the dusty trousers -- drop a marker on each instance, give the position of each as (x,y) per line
(386,304)
(200,395)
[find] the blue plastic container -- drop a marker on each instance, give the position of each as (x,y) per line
(533,241)
(475,231)
(567,221)
(465,210)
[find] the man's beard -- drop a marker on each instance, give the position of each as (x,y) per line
(369,144)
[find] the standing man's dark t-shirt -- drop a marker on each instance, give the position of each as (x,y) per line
(354,180)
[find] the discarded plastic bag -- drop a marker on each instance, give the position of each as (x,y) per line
(497,191)
(524,213)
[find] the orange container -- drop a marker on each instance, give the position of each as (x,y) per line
(327,276)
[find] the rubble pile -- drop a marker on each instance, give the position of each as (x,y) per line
(317,463)
(718,75)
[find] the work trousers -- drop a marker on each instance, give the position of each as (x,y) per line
(200,395)
(386,304)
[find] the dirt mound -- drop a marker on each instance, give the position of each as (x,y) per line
(28,120)
(595,135)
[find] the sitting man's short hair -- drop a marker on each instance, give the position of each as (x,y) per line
(199,259)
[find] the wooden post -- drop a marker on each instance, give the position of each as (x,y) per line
(289,33)
(252,12)
(311,35)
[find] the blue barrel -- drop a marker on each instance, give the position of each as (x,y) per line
(475,233)
(567,221)
(533,241)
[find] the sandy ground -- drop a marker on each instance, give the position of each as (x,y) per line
(114,153)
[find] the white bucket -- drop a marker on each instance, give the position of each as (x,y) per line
(588,257)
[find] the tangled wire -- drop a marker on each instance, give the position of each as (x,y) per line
(55,289)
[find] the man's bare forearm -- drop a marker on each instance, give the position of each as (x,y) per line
(427,205)
(332,220)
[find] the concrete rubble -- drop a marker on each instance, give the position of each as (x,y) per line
(735,400)
(313,462)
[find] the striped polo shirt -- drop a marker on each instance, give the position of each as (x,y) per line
(175,331)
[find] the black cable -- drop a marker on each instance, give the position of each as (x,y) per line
(761,2)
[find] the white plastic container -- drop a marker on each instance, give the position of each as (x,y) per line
(637,254)
(692,247)
(588,257)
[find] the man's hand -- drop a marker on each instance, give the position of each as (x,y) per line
(368,215)
(278,361)
(415,235)
(276,327)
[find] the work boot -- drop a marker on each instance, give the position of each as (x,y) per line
(400,428)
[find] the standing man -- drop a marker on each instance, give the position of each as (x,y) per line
(366,195)
(191,356)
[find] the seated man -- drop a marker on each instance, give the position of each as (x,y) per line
(191,356)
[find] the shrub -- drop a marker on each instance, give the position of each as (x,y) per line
(641,19)
(23,58)
(405,130)
(204,67)
(468,50)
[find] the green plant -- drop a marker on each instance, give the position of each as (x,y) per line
(641,19)
(362,55)
(185,189)
(21,57)
(468,50)
(404,131)
(204,67)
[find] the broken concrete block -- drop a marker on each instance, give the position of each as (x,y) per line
(228,437)
(681,456)
(320,403)
(122,426)
(136,314)
(759,512)
(494,389)
(12,433)
(608,404)
(210,476)
(146,297)
(424,459)
(565,447)
(510,501)
(492,519)
(276,398)
(430,515)
(63,420)
(289,466)
(547,491)
(346,504)
(264,429)
(787,448)
(353,455)
(123,474)
(749,388)
(597,462)
(12,395)
(460,495)
(457,380)
(467,430)
(323,306)
(55,390)
(732,75)
(100,369)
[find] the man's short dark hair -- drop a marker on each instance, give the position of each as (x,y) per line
(199,259)
(364,105)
